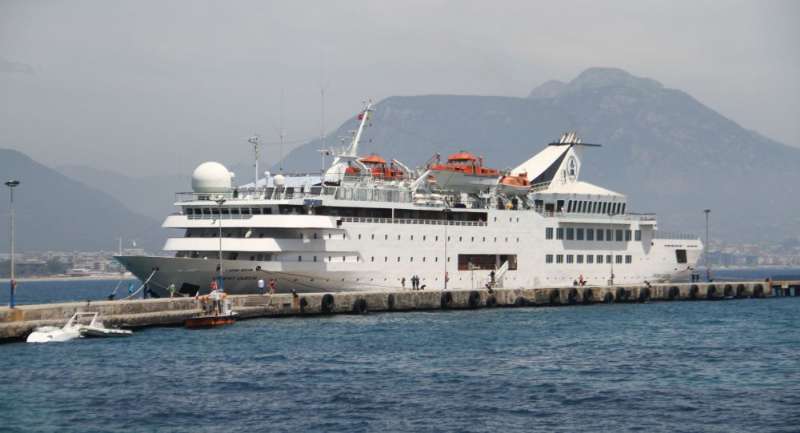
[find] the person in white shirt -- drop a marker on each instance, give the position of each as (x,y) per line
(216,296)
(261,286)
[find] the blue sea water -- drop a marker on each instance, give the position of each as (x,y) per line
(42,292)
(724,366)
(700,366)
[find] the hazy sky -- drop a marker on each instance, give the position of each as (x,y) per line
(158,86)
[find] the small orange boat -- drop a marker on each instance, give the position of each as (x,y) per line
(213,316)
(514,184)
(463,171)
(378,168)
(205,322)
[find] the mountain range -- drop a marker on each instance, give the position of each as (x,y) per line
(667,151)
(55,212)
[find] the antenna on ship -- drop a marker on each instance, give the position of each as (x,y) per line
(281,135)
(254,139)
(323,153)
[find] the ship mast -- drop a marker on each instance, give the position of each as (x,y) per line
(353,149)
(338,166)
(254,141)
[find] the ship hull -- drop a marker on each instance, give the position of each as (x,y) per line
(239,276)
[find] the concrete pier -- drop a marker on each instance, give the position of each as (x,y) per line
(17,323)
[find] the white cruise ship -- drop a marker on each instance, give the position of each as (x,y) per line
(371,225)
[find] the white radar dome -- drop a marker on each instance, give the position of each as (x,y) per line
(279,180)
(211,177)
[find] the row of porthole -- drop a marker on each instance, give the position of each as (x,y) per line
(436,238)
(511,220)
(372,259)
(578,259)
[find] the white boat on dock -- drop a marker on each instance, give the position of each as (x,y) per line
(76,327)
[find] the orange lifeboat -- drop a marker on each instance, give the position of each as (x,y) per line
(514,184)
(379,168)
(463,171)
(465,162)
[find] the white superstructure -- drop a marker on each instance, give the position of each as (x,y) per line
(370,226)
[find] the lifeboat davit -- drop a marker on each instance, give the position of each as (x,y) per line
(516,185)
(463,171)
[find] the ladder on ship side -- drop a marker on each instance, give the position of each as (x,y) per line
(499,273)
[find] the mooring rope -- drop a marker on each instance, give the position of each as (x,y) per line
(114,292)
(142,286)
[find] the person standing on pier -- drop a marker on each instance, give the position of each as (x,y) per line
(273,285)
(171,290)
(403,282)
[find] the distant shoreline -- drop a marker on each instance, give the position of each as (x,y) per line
(103,277)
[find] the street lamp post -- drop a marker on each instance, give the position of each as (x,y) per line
(220,201)
(446,223)
(705,248)
(11,184)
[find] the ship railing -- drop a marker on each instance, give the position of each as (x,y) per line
(412,221)
(215,216)
(289,193)
(625,216)
(271,193)
(373,194)
(676,236)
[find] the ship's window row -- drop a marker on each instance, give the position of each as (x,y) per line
(435,238)
(227,211)
(351,214)
(596,207)
(592,234)
(588,259)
